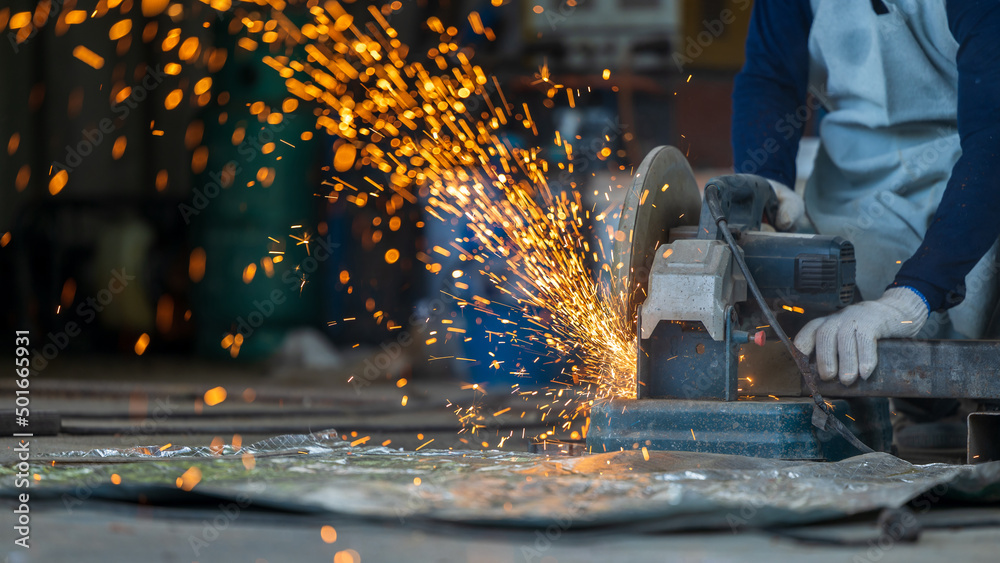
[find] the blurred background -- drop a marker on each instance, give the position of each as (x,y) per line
(156,212)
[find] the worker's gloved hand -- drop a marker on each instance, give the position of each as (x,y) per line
(791,208)
(846,339)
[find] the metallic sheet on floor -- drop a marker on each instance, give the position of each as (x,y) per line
(668,491)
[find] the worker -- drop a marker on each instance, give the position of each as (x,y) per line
(909,159)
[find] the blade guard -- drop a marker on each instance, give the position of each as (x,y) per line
(663,195)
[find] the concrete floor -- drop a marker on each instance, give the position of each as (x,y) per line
(100,402)
(107,532)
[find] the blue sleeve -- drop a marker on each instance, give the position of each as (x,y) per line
(967,221)
(770,88)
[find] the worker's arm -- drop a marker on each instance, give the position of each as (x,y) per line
(967,221)
(964,227)
(771,86)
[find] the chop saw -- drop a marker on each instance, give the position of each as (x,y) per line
(702,338)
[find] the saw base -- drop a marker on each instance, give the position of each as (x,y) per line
(762,427)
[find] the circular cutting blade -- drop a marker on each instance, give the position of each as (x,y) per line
(663,195)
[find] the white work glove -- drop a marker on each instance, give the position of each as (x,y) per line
(851,334)
(791,208)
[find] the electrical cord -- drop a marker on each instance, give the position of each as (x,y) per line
(823,417)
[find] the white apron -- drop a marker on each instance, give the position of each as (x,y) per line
(889,141)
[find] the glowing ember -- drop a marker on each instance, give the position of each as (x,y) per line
(58,182)
(88,56)
(347,556)
(141,344)
(215,396)
(189,479)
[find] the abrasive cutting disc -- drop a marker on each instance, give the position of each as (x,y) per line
(663,195)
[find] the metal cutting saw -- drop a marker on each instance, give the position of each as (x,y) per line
(714,293)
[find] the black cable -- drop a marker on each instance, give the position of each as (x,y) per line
(712,200)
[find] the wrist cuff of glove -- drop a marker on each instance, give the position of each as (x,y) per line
(918,294)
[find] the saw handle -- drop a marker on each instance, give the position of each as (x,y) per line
(744,200)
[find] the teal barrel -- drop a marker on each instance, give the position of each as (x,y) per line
(258,182)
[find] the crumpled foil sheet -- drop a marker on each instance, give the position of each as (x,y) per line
(668,491)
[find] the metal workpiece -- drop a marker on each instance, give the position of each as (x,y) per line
(928,369)
(765,428)
(692,280)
